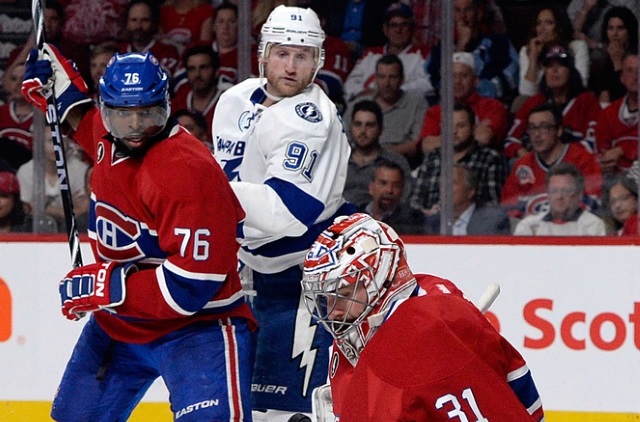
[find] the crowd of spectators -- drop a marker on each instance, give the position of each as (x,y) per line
(545,132)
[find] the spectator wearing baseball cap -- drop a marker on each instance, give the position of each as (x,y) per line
(550,27)
(490,126)
(562,86)
(496,58)
(12,216)
(559,54)
(398,29)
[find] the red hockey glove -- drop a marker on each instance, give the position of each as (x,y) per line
(49,64)
(93,287)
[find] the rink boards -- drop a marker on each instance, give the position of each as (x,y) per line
(572,310)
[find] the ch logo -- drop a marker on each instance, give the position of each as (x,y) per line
(5,311)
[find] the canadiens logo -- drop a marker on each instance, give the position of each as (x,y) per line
(537,203)
(117,234)
(309,112)
(525,175)
(100,152)
(323,254)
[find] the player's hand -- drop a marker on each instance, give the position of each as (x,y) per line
(37,80)
(93,287)
(47,66)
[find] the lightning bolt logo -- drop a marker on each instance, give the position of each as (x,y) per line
(309,112)
(304,333)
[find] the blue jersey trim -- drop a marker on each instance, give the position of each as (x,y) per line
(190,294)
(288,245)
(258,96)
(304,207)
(525,389)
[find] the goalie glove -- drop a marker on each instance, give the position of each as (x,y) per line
(93,287)
(49,68)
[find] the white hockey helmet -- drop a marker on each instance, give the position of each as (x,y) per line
(295,26)
(355,251)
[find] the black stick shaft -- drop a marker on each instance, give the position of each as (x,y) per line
(37,10)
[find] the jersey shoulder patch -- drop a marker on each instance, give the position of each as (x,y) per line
(309,112)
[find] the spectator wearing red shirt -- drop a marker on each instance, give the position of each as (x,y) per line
(201,92)
(143,19)
(562,86)
(491,114)
(187,22)
(225,43)
(617,128)
(524,192)
(16,121)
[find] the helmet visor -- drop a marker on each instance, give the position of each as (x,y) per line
(134,122)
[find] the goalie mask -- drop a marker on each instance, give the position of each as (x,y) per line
(349,279)
(291,26)
(134,96)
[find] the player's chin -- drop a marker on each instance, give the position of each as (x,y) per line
(289,88)
(135,142)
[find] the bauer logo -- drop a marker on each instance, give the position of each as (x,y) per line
(309,112)
(5,311)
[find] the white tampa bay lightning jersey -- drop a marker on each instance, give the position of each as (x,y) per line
(287,164)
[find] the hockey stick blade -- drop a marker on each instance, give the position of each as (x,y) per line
(488,297)
(37,11)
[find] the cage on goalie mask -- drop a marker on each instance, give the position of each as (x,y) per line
(134,80)
(293,26)
(356,254)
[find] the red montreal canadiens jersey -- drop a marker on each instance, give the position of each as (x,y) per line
(579,118)
(619,128)
(184,29)
(11,127)
(228,71)
(524,192)
(173,213)
(436,358)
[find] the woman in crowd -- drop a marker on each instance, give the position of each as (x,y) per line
(552,26)
(561,86)
(623,205)
(620,30)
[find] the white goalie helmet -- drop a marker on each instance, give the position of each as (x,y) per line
(355,252)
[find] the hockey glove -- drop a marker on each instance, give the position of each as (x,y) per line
(43,68)
(93,287)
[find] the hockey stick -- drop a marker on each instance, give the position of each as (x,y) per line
(37,11)
(488,297)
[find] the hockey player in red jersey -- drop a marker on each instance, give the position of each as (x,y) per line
(164,296)
(407,347)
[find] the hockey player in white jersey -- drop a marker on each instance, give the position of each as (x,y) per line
(281,142)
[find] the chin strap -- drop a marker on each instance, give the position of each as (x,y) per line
(263,87)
